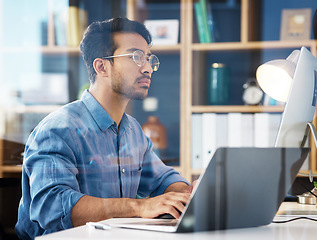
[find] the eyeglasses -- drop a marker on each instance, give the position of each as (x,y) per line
(139,59)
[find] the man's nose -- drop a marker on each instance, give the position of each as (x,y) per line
(147,68)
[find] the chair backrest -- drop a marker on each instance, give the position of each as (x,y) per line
(10,194)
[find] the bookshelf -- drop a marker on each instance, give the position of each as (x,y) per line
(193,58)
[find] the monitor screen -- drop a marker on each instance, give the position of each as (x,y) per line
(301,103)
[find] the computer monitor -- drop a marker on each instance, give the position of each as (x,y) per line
(301,103)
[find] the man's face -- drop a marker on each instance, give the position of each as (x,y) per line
(127,78)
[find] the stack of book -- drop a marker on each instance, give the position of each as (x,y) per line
(204,21)
(213,130)
(70,22)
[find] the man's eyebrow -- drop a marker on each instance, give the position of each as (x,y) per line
(134,49)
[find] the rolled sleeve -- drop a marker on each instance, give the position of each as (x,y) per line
(52,174)
(156,176)
(51,208)
(171,177)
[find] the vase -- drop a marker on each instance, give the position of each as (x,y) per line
(156,131)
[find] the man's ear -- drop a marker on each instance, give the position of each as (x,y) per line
(102,67)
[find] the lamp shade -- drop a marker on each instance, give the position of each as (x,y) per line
(275,77)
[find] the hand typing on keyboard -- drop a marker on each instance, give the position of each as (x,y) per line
(172,203)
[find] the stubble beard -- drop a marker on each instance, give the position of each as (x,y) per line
(118,86)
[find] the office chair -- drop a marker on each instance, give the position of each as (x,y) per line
(10,194)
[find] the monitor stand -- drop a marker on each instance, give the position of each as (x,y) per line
(306,198)
(312,129)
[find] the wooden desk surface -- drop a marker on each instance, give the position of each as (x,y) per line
(299,229)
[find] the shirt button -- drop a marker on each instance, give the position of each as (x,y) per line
(123,170)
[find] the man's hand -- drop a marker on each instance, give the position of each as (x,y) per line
(92,209)
(192,186)
(171,202)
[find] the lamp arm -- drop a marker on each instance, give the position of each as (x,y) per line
(313,131)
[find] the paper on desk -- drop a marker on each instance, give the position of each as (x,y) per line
(296,209)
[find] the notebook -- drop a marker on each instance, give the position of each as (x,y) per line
(241,187)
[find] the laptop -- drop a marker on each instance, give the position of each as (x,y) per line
(241,187)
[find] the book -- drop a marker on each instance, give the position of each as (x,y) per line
(211,23)
(274,124)
(77,23)
(247,130)
(73,26)
(60,22)
(83,21)
(261,130)
(234,129)
(205,20)
(222,130)
(196,141)
(202,21)
(208,137)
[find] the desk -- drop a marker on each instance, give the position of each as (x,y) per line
(299,229)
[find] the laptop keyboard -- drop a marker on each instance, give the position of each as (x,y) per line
(163,222)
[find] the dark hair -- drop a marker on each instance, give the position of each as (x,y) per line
(98,39)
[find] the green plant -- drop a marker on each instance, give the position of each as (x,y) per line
(315,184)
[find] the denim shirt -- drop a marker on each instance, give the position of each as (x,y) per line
(79,150)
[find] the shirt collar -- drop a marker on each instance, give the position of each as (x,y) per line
(102,118)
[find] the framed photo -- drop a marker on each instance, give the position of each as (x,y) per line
(164,32)
(296,24)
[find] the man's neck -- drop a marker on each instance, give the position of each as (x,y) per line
(113,103)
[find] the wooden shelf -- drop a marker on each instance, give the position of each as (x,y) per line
(252,45)
(52,50)
(11,169)
(238,108)
(60,50)
(166,48)
(217,46)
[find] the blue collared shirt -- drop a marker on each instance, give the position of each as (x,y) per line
(79,150)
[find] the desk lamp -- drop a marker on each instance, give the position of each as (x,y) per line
(275,77)
(293,80)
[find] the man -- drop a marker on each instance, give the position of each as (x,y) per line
(89,161)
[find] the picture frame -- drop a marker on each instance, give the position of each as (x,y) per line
(296,24)
(164,32)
